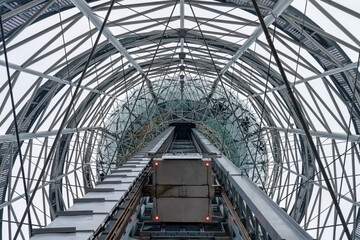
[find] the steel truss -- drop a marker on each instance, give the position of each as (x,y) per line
(46,62)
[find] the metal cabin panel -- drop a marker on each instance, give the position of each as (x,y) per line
(182,209)
(184,191)
(181,172)
(182,183)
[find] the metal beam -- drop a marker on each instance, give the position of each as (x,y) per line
(277,223)
(29,21)
(92,228)
(322,134)
(182,23)
(321,75)
(87,11)
(182,13)
(342,8)
(42,134)
(336,22)
(21,9)
(279,8)
(320,185)
(52,78)
(47,183)
(301,119)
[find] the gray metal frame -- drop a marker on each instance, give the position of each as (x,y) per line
(46,62)
(264,219)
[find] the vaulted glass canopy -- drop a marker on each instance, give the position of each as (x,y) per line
(157,62)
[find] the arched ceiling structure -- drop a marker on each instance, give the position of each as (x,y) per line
(133,77)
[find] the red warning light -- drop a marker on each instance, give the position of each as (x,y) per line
(156,218)
(156,164)
(207,218)
(207,164)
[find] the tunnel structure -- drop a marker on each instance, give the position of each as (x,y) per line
(197,119)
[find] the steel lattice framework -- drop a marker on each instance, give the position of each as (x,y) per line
(135,77)
(185,102)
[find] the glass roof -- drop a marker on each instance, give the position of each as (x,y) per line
(75,89)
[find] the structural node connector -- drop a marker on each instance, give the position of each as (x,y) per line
(182,33)
(182,55)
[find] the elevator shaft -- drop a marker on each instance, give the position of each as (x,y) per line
(177,187)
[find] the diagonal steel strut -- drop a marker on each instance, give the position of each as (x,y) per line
(279,8)
(302,120)
(86,10)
